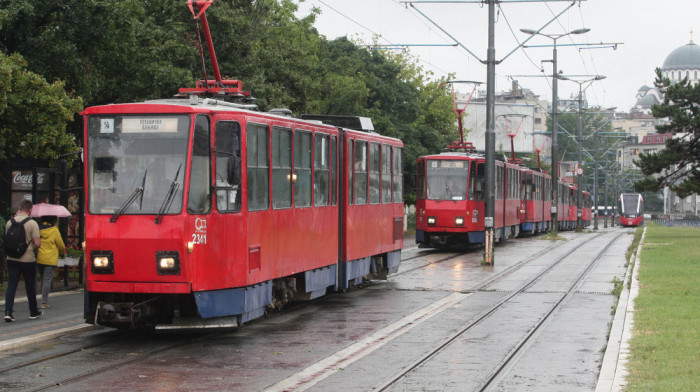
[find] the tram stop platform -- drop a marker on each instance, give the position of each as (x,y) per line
(65,315)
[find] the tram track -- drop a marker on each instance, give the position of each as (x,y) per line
(62,382)
(311,375)
(498,370)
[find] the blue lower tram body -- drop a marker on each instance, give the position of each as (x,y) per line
(236,305)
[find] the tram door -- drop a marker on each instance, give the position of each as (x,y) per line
(225,223)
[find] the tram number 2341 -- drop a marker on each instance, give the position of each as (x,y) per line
(198,238)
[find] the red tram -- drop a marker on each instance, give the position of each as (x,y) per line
(450,199)
(206,210)
(631,207)
(203,212)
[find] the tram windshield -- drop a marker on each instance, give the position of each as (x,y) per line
(630,204)
(447,179)
(136,163)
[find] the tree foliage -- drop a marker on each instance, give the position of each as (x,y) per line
(134,50)
(33,113)
(678,165)
(106,51)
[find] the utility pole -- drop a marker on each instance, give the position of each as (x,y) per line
(579,170)
(555,119)
(595,178)
(490,137)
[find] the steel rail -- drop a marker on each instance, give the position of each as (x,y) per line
(483,315)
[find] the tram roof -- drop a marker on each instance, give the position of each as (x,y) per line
(193,105)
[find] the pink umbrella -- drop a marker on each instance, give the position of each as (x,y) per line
(44,209)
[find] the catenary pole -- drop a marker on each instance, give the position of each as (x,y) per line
(490,138)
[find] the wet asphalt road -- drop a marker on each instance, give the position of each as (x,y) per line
(367,338)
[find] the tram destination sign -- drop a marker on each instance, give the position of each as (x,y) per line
(149,125)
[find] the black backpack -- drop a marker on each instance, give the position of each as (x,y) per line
(16,239)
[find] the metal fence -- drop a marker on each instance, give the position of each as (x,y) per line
(677,222)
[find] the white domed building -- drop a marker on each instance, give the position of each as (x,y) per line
(681,63)
(684,62)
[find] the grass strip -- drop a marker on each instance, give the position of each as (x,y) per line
(665,347)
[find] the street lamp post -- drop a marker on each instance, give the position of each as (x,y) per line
(605,191)
(595,178)
(555,123)
(579,171)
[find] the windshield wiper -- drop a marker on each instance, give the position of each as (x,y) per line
(136,193)
(169,197)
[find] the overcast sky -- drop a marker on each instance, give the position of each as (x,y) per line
(648,30)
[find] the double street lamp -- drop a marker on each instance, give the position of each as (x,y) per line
(579,170)
(555,123)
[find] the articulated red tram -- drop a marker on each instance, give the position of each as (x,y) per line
(204,212)
(450,199)
(631,207)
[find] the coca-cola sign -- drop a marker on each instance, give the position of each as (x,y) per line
(22,180)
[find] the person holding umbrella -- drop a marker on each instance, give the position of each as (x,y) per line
(47,258)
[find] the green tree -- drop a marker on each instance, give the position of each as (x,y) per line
(678,165)
(33,113)
(105,51)
(149,49)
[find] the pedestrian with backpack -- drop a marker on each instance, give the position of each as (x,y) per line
(22,239)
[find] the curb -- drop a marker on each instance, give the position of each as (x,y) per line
(613,370)
(40,337)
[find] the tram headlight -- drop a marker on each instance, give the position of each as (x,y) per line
(432,220)
(168,263)
(459,221)
(102,262)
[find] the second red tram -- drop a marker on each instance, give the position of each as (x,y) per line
(450,199)
(631,207)
(201,212)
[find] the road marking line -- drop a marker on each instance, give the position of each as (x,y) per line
(324,368)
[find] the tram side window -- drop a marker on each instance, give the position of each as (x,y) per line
(510,178)
(258,167)
(281,167)
(386,173)
(360,172)
(499,183)
(398,176)
(302,168)
(420,180)
(321,169)
(334,170)
(199,198)
(374,172)
(228,165)
(476,181)
(351,170)
(526,190)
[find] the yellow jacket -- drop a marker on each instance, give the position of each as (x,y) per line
(51,246)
